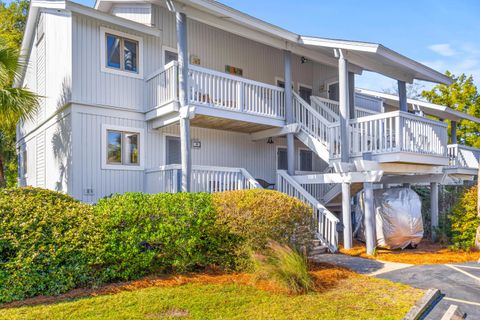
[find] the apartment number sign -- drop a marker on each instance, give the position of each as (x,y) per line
(234,70)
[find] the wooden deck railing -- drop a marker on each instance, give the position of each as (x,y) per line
(204,179)
(463,156)
(224,91)
(325,221)
(162,86)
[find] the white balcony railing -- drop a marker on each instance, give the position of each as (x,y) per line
(204,179)
(396,131)
(463,157)
(162,86)
(220,90)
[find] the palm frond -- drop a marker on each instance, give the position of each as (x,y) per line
(17,104)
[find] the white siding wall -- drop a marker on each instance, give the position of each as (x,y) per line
(90,84)
(140,13)
(41,71)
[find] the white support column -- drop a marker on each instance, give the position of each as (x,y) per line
(370,234)
(453,132)
(351,94)
(181,23)
(434,208)
(402,95)
(287,57)
(347,216)
(343,104)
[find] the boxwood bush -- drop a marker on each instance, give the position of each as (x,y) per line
(45,240)
(50,243)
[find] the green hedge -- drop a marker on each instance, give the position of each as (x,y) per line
(45,240)
(50,243)
(465,221)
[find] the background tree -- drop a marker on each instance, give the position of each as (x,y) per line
(461,95)
(13,18)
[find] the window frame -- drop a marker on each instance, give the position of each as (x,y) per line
(106,165)
(277,148)
(166,48)
(123,36)
(165,149)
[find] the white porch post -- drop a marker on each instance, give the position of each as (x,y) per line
(434,208)
(402,95)
(181,23)
(287,55)
(351,94)
(453,132)
(344,106)
(370,234)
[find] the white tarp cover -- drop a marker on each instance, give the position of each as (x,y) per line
(398,215)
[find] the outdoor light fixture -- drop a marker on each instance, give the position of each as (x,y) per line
(303,60)
(270,140)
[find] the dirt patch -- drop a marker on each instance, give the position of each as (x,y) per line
(425,253)
(170,313)
(325,275)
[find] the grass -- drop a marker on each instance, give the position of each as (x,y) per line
(426,253)
(340,294)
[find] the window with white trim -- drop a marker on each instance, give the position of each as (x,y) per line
(169,56)
(123,148)
(122,53)
(306,160)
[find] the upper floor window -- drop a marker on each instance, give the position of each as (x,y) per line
(169,55)
(122,53)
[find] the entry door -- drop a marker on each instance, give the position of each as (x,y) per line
(282,163)
(173,150)
(305,93)
(333,91)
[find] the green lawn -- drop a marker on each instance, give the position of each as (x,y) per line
(353,298)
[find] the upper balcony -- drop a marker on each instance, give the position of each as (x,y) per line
(223,101)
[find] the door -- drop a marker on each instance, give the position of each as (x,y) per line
(306,160)
(333,91)
(305,93)
(173,151)
(282,163)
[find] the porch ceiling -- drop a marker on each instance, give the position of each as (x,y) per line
(210,122)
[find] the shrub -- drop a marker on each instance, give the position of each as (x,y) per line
(465,220)
(46,239)
(144,233)
(285,267)
(258,216)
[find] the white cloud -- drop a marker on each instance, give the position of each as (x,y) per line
(443,49)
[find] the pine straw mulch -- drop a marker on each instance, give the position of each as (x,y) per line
(326,276)
(425,253)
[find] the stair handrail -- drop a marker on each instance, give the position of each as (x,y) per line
(322,103)
(326,230)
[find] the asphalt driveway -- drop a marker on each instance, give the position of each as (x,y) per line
(458,282)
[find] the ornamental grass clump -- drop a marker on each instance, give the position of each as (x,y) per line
(285,267)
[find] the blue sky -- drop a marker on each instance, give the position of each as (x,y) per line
(443,34)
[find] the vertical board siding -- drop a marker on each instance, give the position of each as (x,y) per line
(134,12)
(41,73)
(92,176)
(90,84)
(40,160)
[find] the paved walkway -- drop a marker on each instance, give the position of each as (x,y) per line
(459,282)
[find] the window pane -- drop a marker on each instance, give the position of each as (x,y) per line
(114,149)
(113,51)
(131,148)
(170,56)
(130,55)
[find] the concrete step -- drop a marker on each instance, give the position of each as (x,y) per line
(317,250)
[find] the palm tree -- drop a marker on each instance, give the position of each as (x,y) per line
(16,104)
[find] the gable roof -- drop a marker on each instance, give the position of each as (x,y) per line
(361,55)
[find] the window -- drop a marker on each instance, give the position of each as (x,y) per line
(306,160)
(282,161)
(305,93)
(333,91)
(122,148)
(173,151)
(169,56)
(122,53)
